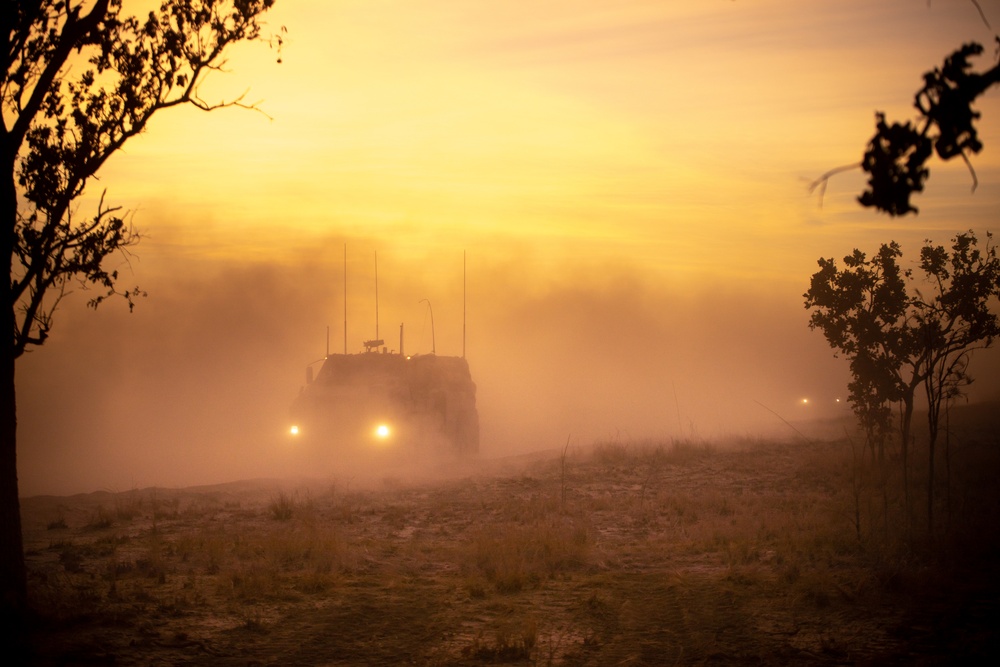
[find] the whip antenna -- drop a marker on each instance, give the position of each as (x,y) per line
(463,304)
(345,298)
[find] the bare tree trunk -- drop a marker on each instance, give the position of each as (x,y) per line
(947,462)
(12,573)
(935,396)
(13,587)
(930,476)
(907,419)
(883,474)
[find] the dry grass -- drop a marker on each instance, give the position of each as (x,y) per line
(514,556)
(626,553)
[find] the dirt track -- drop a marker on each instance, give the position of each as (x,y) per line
(626,555)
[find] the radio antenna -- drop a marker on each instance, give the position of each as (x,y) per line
(345,298)
(463,304)
(376,342)
(433,344)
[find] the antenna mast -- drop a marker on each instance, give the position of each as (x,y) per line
(376,342)
(433,344)
(345,298)
(463,304)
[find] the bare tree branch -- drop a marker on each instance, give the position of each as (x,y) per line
(972,171)
(982,14)
(822,181)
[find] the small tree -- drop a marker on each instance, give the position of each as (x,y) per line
(862,312)
(896,341)
(953,319)
(74,87)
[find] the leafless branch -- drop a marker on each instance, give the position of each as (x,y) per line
(972,172)
(199,103)
(825,178)
(982,15)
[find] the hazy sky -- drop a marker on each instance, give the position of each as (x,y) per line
(628,180)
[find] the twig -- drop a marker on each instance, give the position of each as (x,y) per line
(975,180)
(824,179)
(784,420)
(982,15)
(562,480)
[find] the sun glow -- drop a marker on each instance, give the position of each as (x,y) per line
(514,136)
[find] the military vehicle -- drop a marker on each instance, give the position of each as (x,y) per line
(383,401)
(380,401)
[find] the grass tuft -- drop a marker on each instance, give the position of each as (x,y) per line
(281,507)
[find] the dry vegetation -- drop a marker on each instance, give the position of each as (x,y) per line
(679,553)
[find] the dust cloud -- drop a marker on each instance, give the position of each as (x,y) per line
(194,387)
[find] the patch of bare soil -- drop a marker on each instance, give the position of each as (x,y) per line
(677,554)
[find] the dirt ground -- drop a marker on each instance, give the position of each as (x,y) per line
(621,554)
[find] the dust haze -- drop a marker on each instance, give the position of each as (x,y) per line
(194,387)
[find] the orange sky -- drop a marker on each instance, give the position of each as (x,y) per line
(628,180)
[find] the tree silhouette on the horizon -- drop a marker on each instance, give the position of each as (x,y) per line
(898,340)
(76,84)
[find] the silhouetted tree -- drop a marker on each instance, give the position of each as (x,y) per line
(897,341)
(76,84)
(863,311)
(897,155)
(953,319)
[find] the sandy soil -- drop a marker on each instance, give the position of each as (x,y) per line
(626,555)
